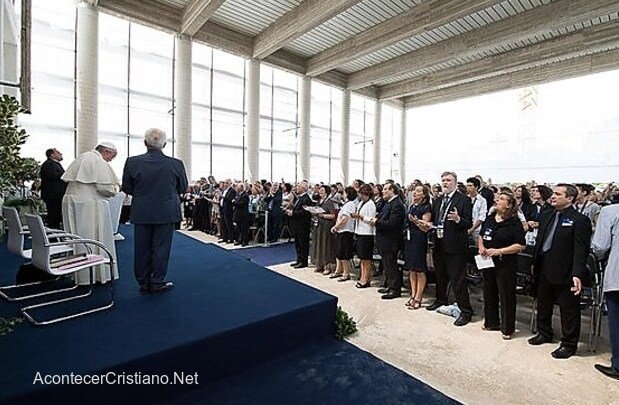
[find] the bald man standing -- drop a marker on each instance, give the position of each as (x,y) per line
(156,182)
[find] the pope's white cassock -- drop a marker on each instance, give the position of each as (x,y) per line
(91,181)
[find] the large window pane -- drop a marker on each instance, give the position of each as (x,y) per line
(52,121)
(284,167)
(227,128)
(227,163)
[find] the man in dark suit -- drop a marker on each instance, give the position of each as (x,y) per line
(389,224)
(452,217)
(300,225)
(52,187)
(227,209)
(240,215)
(155,181)
(559,265)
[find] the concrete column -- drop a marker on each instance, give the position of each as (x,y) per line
(345,142)
(305,101)
(402,152)
(253,120)
(378,109)
(87,75)
(182,102)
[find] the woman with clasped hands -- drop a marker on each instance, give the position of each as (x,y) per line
(501,238)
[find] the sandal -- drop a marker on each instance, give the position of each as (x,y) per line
(327,272)
(343,278)
(415,305)
(507,337)
(409,303)
(360,285)
(335,275)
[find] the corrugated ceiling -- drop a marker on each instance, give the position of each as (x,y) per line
(351,22)
(488,16)
(174,3)
(252,17)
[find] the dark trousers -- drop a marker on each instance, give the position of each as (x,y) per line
(152,253)
(451,269)
(301,245)
(242,231)
(500,291)
(54,213)
(393,275)
(275,225)
(612,302)
(569,306)
(227,230)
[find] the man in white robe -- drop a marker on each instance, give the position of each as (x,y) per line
(91,182)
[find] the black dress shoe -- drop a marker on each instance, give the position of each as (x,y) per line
(539,339)
(294,264)
(383,290)
(391,295)
(300,266)
(145,288)
(162,287)
(434,306)
(563,352)
(462,320)
(607,371)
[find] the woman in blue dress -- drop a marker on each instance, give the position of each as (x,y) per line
(416,246)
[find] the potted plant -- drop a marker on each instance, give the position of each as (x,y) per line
(15,170)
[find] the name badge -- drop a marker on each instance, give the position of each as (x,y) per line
(439,231)
(567,222)
(487,234)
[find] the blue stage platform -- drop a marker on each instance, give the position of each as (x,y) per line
(225,315)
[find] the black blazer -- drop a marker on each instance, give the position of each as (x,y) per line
(241,208)
(301,220)
(455,238)
(227,200)
(567,257)
(389,225)
(52,188)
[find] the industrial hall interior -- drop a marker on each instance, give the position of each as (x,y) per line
(309,201)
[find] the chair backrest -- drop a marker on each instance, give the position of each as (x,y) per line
(15,242)
(40,243)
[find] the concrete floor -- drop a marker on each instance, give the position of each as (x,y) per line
(466,363)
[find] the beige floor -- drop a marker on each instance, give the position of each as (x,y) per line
(466,363)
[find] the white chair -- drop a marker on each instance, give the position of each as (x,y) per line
(42,259)
(18,233)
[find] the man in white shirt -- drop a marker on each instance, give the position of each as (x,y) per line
(480,207)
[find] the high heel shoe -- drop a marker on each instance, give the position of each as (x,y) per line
(366,285)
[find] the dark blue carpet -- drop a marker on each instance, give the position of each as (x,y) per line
(269,256)
(252,336)
(327,372)
(225,314)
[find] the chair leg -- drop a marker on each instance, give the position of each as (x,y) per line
(16,287)
(36,322)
